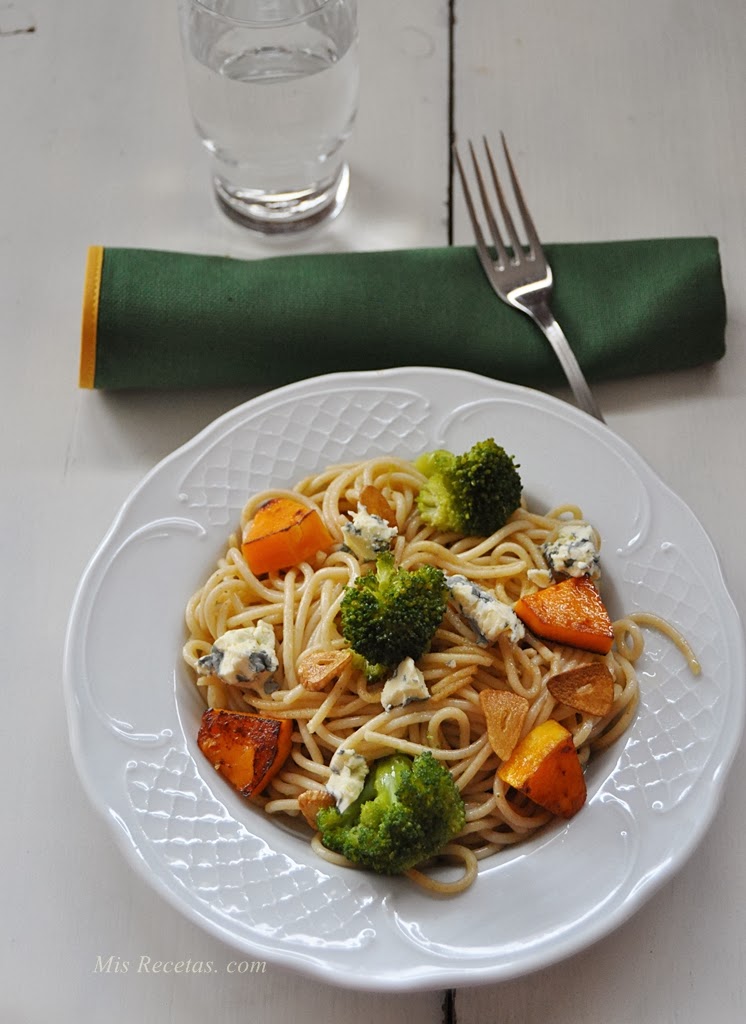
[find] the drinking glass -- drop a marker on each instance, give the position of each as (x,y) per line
(273,89)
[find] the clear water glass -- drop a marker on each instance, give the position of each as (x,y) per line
(273,90)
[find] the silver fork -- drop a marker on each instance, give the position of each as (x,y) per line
(521,277)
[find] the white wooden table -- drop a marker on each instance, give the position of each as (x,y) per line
(627,121)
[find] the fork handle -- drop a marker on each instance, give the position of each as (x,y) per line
(544,317)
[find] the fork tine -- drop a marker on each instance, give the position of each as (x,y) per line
(502,255)
(535,248)
(504,209)
(482,249)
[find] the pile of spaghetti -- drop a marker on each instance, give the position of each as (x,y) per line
(302,605)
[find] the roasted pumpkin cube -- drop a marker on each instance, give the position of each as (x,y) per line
(283,533)
(247,749)
(545,767)
(570,612)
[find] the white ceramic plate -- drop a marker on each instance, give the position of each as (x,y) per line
(134,715)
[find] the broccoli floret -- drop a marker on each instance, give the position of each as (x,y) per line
(373,672)
(473,493)
(391,614)
(407,811)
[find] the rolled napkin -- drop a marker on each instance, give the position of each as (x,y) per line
(156,319)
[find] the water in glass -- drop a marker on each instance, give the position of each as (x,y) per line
(274,103)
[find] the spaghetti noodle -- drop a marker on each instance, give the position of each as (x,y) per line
(302,606)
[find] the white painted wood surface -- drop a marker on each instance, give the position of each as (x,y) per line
(626,120)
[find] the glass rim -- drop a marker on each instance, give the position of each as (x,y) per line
(252,22)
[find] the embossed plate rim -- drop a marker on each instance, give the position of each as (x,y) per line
(399,955)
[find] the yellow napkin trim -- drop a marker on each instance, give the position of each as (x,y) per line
(89,325)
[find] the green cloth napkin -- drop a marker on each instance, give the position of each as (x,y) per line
(170,320)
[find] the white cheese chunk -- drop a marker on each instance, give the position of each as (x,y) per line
(406,685)
(367,535)
(541,578)
(348,772)
(487,615)
(573,551)
(242,657)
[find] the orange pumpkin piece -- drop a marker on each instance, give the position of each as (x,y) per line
(283,533)
(247,749)
(546,768)
(570,612)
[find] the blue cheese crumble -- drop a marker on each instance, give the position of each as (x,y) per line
(573,551)
(367,535)
(487,615)
(348,772)
(242,657)
(406,685)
